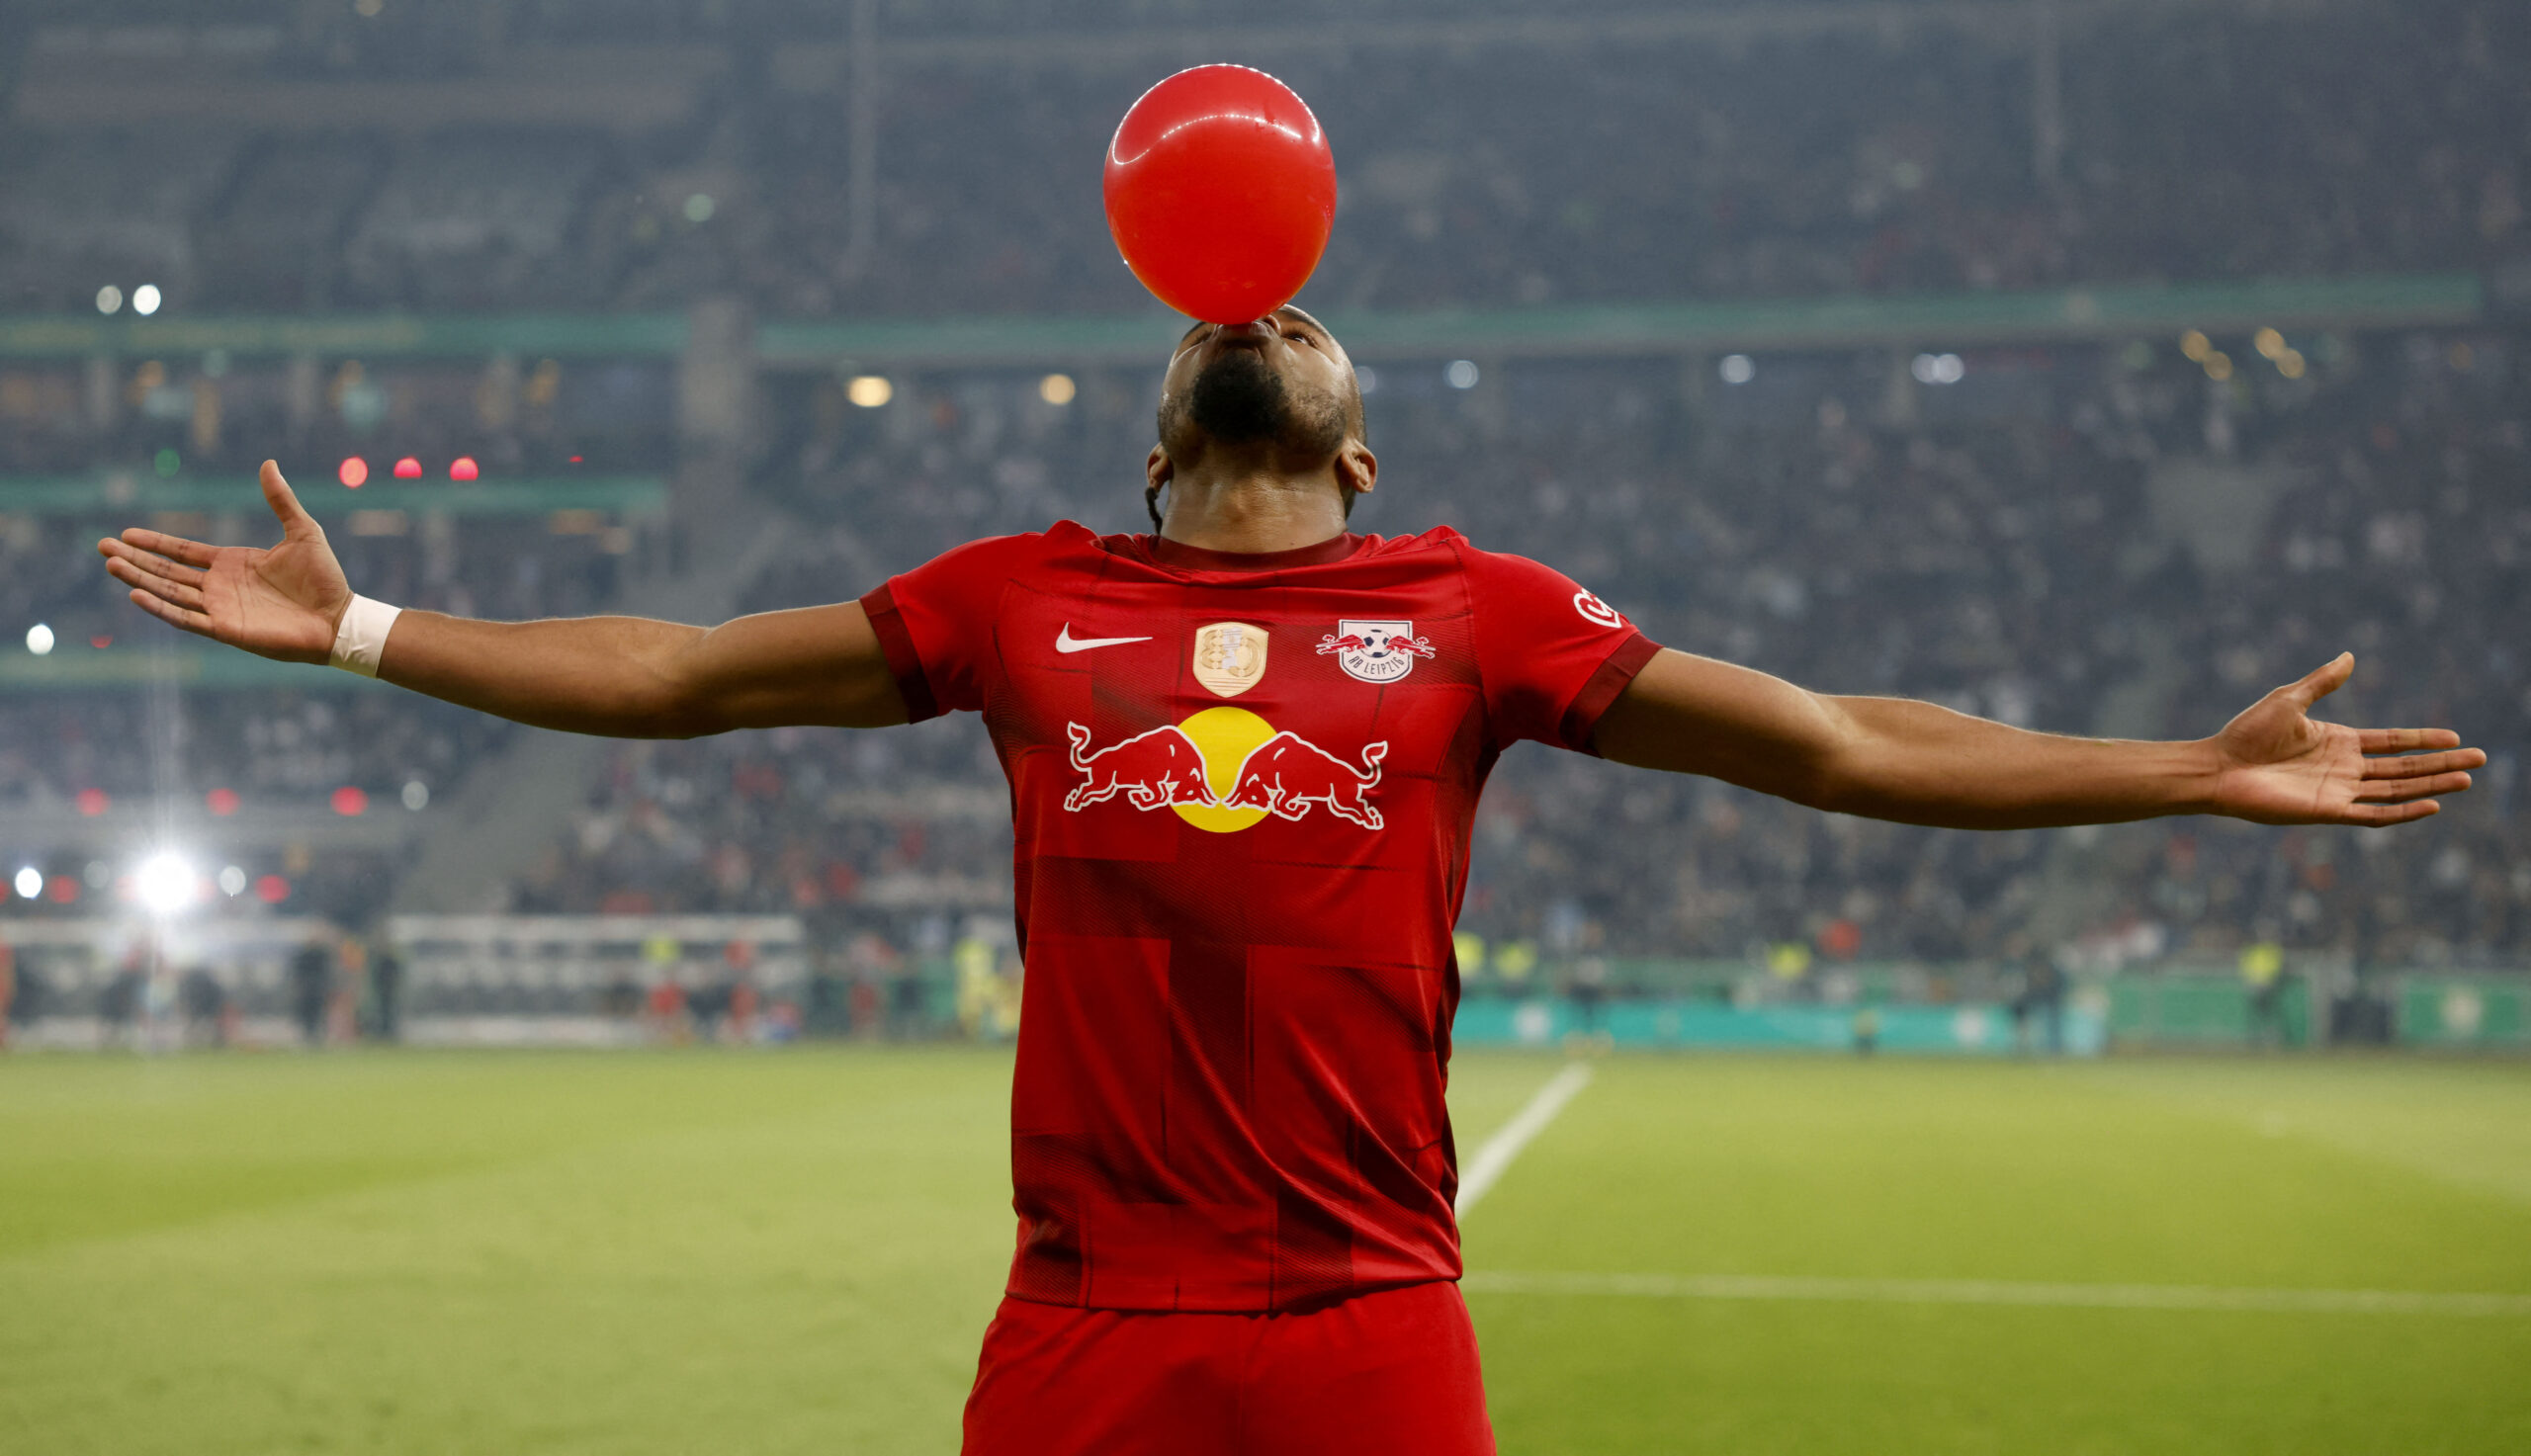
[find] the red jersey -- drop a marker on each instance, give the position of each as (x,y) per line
(1242,787)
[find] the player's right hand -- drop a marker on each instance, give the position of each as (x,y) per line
(282,602)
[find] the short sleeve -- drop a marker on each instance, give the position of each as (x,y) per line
(1552,655)
(935,623)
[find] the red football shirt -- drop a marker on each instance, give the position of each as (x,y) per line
(1242,787)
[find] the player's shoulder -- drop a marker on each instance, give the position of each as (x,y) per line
(1508,568)
(1004,556)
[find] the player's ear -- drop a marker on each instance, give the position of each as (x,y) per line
(1157,467)
(1356,467)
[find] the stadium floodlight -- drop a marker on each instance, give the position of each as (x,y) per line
(1461,374)
(417,794)
(165,882)
(29,883)
(1937,369)
(145,299)
(232,881)
(1738,369)
(109,299)
(39,638)
(869,390)
(1056,389)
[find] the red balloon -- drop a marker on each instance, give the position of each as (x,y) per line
(1220,192)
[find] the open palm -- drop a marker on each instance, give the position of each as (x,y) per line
(279,602)
(2280,767)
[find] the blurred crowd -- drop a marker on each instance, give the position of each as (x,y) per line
(2085,540)
(2133,537)
(1792,160)
(127,734)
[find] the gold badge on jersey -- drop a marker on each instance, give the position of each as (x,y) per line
(1230,657)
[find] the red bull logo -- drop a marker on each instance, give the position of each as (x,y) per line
(1163,766)
(1288,773)
(1225,769)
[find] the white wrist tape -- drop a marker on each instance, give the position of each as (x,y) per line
(362,637)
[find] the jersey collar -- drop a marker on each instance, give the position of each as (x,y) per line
(1180,557)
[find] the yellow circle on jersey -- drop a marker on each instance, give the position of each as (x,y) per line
(1225,737)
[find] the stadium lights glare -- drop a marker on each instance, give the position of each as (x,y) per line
(1738,369)
(417,794)
(144,300)
(232,881)
(699,208)
(1461,374)
(166,883)
(109,299)
(869,390)
(1937,369)
(29,883)
(1056,389)
(39,638)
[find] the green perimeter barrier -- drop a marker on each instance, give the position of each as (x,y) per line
(1968,1029)
(2109,310)
(76,668)
(131,495)
(2462,1012)
(2179,1009)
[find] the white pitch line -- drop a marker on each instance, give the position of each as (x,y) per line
(1485,1169)
(1993,1292)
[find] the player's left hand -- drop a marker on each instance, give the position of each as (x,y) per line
(2277,767)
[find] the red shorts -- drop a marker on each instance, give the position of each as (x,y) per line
(1387,1374)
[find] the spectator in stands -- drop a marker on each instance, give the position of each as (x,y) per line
(387,990)
(312,984)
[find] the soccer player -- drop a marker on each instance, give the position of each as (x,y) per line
(1244,753)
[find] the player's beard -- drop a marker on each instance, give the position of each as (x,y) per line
(1238,402)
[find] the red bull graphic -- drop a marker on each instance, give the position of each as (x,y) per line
(1159,767)
(1225,769)
(1288,773)
(1375,652)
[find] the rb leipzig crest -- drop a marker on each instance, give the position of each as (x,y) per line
(1375,652)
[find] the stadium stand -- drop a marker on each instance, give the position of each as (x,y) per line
(2086,528)
(1924,148)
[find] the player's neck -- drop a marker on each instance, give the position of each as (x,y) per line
(1252,511)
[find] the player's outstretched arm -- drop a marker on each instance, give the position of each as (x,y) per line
(1917,763)
(623,676)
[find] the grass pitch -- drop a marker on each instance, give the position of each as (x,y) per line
(797,1251)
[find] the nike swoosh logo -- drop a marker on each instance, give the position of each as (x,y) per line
(1065,642)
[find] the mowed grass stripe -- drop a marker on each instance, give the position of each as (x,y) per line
(1994,1292)
(1828,1178)
(2023,1174)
